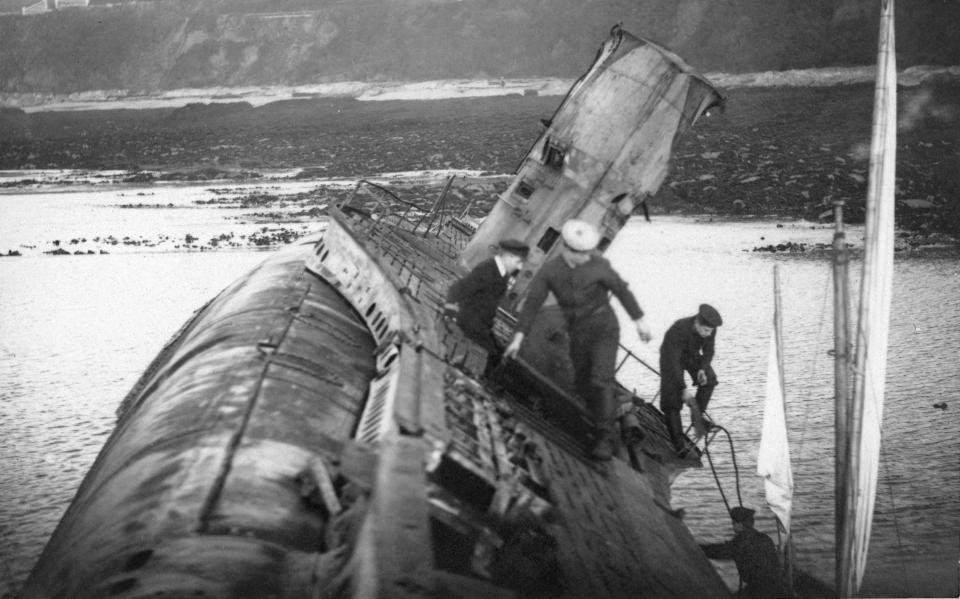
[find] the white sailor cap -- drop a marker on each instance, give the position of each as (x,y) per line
(580,235)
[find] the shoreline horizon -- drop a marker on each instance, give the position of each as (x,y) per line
(436,89)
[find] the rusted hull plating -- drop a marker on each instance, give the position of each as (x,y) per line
(606,149)
(200,489)
(316,430)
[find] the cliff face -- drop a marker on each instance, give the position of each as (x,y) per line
(200,43)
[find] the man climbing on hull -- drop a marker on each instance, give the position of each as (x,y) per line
(472,300)
(582,280)
(688,346)
(755,555)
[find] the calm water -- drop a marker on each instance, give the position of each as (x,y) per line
(76,332)
(674,265)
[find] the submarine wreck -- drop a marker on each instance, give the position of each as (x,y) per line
(318,429)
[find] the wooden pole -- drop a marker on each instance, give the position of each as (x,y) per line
(778,332)
(841,392)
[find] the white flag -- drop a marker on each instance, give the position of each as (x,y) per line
(773,461)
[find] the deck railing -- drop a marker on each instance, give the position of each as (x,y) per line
(628,354)
(389,209)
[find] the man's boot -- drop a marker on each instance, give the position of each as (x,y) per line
(675,429)
(604,447)
(604,417)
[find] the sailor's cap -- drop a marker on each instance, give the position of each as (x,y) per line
(515,246)
(709,316)
(580,235)
(740,513)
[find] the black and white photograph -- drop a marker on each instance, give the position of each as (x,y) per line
(475,299)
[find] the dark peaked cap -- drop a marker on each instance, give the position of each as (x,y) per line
(709,316)
(515,247)
(739,514)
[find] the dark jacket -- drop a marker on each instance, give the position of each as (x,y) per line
(580,291)
(478,294)
(757,562)
(683,349)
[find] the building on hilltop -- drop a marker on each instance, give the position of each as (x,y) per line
(39,7)
(43,6)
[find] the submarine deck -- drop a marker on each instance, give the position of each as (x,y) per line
(508,465)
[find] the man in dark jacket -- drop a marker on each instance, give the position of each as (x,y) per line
(582,280)
(473,299)
(755,555)
(688,346)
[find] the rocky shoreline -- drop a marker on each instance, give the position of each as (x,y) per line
(773,153)
(280,218)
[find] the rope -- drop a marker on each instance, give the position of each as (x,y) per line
(815,362)
(893,509)
(736,469)
(716,478)
(733,454)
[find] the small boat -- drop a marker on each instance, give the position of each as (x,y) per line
(319,430)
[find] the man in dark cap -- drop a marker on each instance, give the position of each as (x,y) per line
(473,299)
(755,555)
(688,345)
(582,281)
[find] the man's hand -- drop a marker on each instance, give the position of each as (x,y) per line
(514,348)
(643,330)
(689,397)
(701,377)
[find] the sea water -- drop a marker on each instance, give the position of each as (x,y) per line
(77,331)
(673,265)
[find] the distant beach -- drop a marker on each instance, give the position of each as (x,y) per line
(435,90)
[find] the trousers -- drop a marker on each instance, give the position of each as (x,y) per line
(671,401)
(670,398)
(594,341)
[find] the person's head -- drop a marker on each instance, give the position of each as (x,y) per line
(742,518)
(580,238)
(707,320)
(512,253)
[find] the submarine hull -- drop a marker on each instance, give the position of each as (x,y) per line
(319,429)
(199,488)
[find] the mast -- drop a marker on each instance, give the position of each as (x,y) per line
(862,446)
(841,356)
(773,461)
(773,455)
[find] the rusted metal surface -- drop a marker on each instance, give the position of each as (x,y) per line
(615,533)
(318,430)
(606,149)
(197,488)
(498,461)
(233,472)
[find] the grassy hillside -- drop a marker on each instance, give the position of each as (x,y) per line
(198,43)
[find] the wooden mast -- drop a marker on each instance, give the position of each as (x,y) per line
(841,352)
(787,546)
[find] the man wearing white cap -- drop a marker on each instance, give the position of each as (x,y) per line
(581,280)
